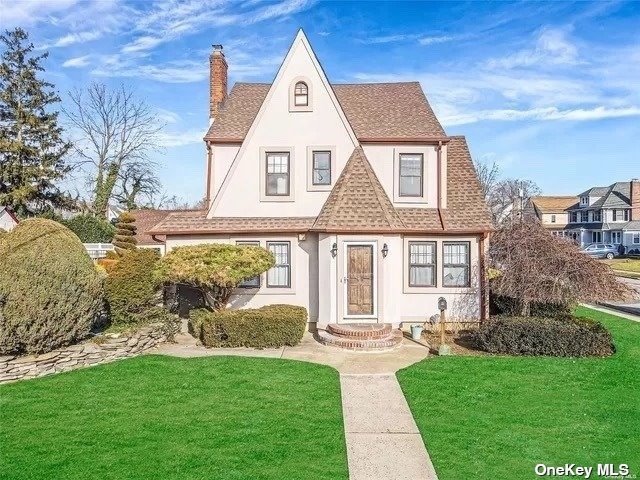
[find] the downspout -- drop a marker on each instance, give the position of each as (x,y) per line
(439,168)
(207,194)
(484,284)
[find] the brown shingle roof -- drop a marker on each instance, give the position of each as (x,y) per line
(374,110)
(358,201)
(145,220)
(196,222)
(553,204)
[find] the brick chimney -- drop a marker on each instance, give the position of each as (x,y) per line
(635,199)
(217,81)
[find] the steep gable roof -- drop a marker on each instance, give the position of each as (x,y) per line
(358,201)
(375,111)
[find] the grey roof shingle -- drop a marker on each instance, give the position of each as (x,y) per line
(374,110)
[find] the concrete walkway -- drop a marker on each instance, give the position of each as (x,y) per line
(383,441)
(614,311)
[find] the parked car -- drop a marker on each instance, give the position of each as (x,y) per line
(601,250)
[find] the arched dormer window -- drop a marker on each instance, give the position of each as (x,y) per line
(301,95)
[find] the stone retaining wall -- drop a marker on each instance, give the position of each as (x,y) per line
(100,349)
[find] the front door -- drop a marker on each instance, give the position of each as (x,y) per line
(360,281)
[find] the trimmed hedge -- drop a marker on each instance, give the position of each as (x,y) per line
(512,307)
(131,286)
(557,337)
(125,235)
(267,327)
(51,294)
(90,229)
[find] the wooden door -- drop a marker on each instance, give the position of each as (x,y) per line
(360,280)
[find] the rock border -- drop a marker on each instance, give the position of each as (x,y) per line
(13,368)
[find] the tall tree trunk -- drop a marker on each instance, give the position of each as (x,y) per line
(105,191)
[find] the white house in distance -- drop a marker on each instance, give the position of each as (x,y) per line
(599,215)
(372,211)
(8,220)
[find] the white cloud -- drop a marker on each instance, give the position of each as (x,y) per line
(29,12)
(549,113)
(77,62)
(182,71)
(434,40)
(179,139)
(73,38)
(142,43)
(167,116)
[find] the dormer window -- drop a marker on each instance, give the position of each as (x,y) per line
(584,200)
(301,95)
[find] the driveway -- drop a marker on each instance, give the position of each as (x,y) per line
(627,307)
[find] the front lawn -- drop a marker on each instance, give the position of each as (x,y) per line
(497,417)
(161,417)
(628,265)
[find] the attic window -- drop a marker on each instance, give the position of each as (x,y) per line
(301,95)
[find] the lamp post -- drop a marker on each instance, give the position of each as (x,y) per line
(444,349)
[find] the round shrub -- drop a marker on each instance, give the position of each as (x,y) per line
(131,286)
(90,229)
(557,337)
(51,292)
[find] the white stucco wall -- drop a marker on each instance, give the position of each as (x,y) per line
(277,128)
(304,271)
(222,158)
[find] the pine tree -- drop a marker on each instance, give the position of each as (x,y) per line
(125,238)
(32,149)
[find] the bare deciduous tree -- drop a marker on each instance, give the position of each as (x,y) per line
(118,131)
(488,173)
(535,266)
(138,184)
(508,197)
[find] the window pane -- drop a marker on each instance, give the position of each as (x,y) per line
(455,276)
(321,168)
(422,276)
(279,275)
(410,165)
(277,174)
(410,186)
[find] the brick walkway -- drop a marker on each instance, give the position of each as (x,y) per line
(383,441)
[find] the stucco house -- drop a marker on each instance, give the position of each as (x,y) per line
(371,210)
(608,214)
(8,220)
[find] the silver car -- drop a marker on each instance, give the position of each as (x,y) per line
(601,250)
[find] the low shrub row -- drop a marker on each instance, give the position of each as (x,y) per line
(503,305)
(559,337)
(271,326)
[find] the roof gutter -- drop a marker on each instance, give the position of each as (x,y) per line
(439,161)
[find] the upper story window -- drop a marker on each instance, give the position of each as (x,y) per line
(411,174)
(301,95)
(573,217)
(553,219)
(620,215)
(597,215)
(584,200)
(584,217)
(278,178)
(321,168)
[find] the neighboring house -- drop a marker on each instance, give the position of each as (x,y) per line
(8,220)
(147,218)
(599,215)
(371,210)
(552,212)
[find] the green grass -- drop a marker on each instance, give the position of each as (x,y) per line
(497,417)
(157,417)
(624,264)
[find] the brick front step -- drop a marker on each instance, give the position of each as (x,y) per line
(388,342)
(360,331)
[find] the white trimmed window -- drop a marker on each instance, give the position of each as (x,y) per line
(553,219)
(301,95)
(584,217)
(573,217)
(279,276)
(422,264)
(253,282)
(411,174)
(597,215)
(636,238)
(278,178)
(616,237)
(456,264)
(321,167)
(596,237)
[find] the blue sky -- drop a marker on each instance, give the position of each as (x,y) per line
(550,91)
